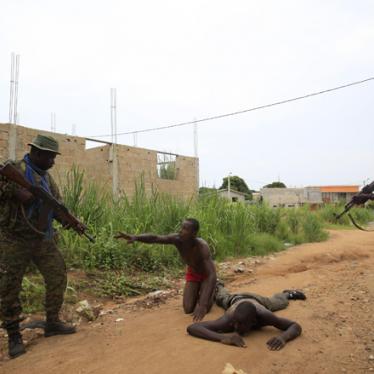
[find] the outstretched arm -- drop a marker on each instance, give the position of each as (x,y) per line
(148,238)
(215,331)
(291,330)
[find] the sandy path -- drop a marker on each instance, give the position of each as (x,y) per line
(337,321)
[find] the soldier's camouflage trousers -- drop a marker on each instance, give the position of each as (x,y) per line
(15,256)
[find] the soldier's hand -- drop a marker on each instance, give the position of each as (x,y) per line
(121,235)
(24,196)
(234,339)
(80,228)
(276,343)
(66,225)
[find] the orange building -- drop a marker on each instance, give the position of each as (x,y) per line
(336,194)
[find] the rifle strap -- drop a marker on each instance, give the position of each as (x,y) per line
(356,224)
(32,227)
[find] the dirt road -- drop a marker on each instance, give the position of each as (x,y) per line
(337,321)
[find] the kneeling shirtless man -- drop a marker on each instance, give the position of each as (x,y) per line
(198,295)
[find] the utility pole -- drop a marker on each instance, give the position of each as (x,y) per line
(13,95)
(13,105)
(16,76)
(135,135)
(195,137)
(113,158)
(53,122)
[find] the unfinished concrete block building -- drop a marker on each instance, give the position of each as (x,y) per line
(117,167)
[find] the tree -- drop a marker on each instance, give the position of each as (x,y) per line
(237,184)
(276,185)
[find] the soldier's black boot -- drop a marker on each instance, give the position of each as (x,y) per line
(54,326)
(15,343)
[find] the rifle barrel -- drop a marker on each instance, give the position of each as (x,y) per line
(346,209)
(89,237)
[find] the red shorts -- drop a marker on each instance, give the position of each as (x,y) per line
(191,276)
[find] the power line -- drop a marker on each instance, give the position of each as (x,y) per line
(240,111)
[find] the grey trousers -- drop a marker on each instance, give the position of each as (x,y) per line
(224,299)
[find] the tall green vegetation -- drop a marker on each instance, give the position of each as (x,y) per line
(167,171)
(231,229)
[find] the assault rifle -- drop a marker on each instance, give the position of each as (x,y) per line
(361,198)
(12,174)
(366,190)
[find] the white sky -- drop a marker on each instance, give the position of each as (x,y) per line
(174,61)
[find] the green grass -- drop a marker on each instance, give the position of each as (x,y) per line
(231,230)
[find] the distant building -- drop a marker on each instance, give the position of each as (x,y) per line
(232,195)
(283,197)
(316,195)
(338,194)
(256,196)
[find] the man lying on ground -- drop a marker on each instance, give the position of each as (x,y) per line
(198,295)
(246,312)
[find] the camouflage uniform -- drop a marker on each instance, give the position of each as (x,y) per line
(20,244)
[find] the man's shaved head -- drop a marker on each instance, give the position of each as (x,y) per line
(244,312)
(195,224)
(244,317)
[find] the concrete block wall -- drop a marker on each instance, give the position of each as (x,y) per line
(136,163)
(283,196)
(72,148)
(4,142)
(133,162)
(97,165)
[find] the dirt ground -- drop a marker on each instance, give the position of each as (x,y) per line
(337,320)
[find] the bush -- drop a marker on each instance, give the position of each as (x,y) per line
(313,229)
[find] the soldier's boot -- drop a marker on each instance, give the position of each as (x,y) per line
(15,344)
(54,326)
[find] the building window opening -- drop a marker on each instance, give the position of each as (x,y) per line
(166,166)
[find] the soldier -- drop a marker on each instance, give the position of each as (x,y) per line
(27,235)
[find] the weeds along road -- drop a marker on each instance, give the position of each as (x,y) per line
(337,320)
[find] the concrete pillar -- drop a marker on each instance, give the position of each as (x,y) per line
(113,159)
(197,171)
(12,142)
